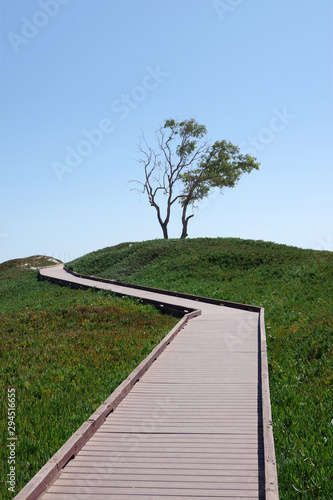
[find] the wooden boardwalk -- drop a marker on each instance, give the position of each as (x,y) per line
(191,427)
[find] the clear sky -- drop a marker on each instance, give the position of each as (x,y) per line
(255,72)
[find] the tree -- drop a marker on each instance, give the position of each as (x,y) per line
(185,167)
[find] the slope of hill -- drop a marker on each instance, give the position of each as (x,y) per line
(296,288)
(32,262)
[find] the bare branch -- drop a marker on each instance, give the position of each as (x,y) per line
(184,166)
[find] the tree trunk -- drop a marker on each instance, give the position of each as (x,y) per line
(184,232)
(185,222)
(165,231)
(163,223)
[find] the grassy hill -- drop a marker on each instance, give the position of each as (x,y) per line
(63,348)
(296,288)
(64,352)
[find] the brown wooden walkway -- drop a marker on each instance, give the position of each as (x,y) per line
(191,427)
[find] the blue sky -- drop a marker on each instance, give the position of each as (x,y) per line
(254,72)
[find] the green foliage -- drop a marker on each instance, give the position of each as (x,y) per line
(185,166)
(189,132)
(221,165)
(64,351)
(296,287)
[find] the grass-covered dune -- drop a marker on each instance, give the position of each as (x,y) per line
(63,351)
(296,288)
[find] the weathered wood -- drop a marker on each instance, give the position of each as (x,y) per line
(271,482)
(171,475)
(150,484)
(196,425)
(144,493)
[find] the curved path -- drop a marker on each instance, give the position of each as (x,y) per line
(191,422)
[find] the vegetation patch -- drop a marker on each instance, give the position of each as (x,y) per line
(296,288)
(64,351)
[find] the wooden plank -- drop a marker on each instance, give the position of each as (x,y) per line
(171,475)
(185,428)
(97,454)
(153,483)
(178,445)
(98,459)
(152,492)
(162,480)
(156,449)
(138,466)
(134,496)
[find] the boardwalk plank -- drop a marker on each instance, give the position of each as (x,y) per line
(153,491)
(113,465)
(153,496)
(121,458)
(171,475)
(153,483)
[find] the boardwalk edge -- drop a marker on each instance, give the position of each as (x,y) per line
(271,480)
(197,298)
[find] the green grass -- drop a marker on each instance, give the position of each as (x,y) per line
(296,288)
(64,351)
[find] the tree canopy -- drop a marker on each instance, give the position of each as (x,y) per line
(184,166)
